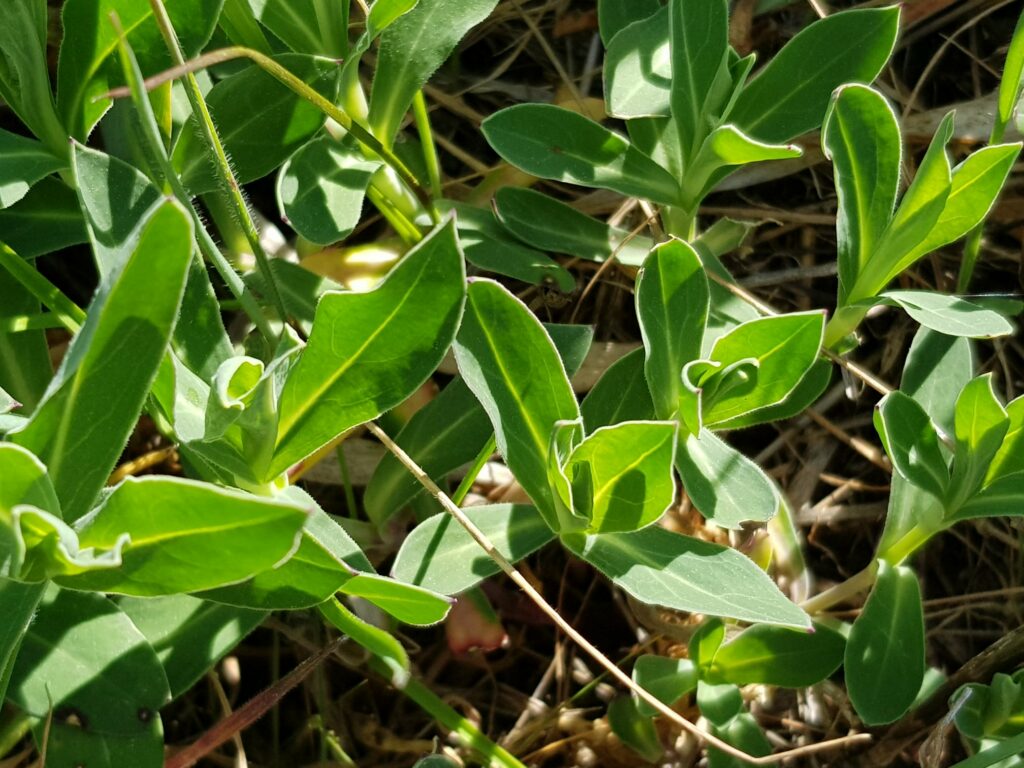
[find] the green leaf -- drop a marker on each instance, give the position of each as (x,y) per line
(719,703)
(789,95)
(885,651)
(1013,74)
(384,13)
(783,348)
(23,162)
(302,25)
(45,220)
(556,143)
(94,401)
(1003,497)
(912,443)
(976,183)
(663,568)
(918,213)
(320,189)
(511,365)
(769,655)
(379,642)
(634,729)
(82,656)
(861,137)
(621,394)
(616,15)
(743,732)
(24,76)
(705,642)
(722,152)
(261,122)
(189,635)
(700,47)
(726,487)
(638,69)
(406,602)
(950,315)
(621,476)
(557,227)
(18,604)
(325,560)
(449,432)
(803,396)
(174,534)
(668,680)
(981,424)
(672,306)
(1010,456)
(411,50)
(370,351)
(440,555)
(490,247)
(938,367)
(89,66)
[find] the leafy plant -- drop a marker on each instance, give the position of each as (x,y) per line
(143,583)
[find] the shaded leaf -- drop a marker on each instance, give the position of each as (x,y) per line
(668,680)
(621,394)
(885,651)
(912,443)
(778,656)
(23,162)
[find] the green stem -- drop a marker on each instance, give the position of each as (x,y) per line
(13,731)
(346,482)
(230,186)
(972,247)
(296,85)
(474,470)
(466,732)
(842,592)
(395,216)
(907,544)
(422,117)
(50,296)
(209,249)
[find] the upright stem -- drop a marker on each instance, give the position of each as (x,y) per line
(422,117)
(230,184)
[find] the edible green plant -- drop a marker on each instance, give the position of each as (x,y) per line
(147,582)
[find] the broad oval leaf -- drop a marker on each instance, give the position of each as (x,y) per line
(663,568)
(440,554)
(616,15)
(778,656)
(634,729)
(672,301)
(177,531)
(884,658)
(320,189)
(789,95)
(556,143)
(94,401)
(261,122)
(512,366)
(621,475)
(370,351)
(981,423)
(554,226)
